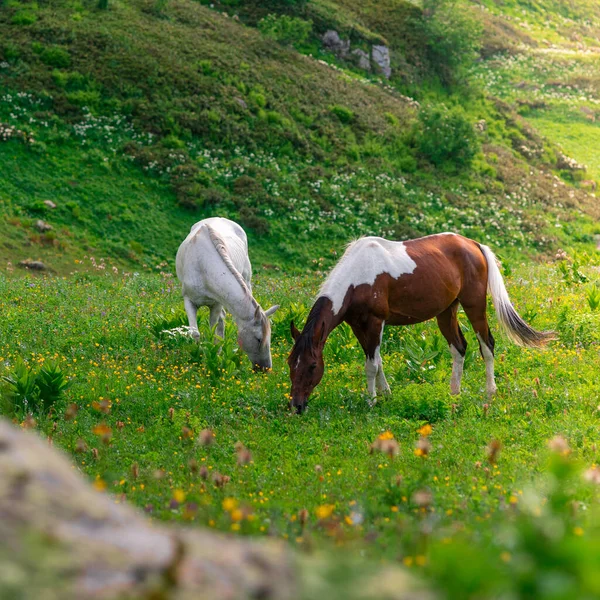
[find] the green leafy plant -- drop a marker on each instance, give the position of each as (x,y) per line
(570,272)
(593,297)
(35,390)
(284,29)
(422,353)
(445,136)
(220,357)
(52,383)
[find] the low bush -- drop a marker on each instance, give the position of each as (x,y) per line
(284,29)
(446,136)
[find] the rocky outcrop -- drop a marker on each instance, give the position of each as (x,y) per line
(362,59)
(378,61)
(334,43)
(62,537)
(62,540)
(380,55)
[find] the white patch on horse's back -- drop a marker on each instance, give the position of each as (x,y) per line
(362,262)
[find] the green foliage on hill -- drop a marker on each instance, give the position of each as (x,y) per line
(144,121)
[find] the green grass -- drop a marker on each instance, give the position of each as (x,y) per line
(149,396)
(553,83)
(578,137)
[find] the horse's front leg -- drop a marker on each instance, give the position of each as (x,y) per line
(192,314)
(369,335)
(382,385)
(217,317)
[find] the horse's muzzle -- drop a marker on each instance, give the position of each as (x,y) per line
(261,368)
(299,406)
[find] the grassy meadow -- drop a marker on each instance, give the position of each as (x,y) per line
(190,434)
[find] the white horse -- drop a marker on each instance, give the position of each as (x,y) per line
(214,269)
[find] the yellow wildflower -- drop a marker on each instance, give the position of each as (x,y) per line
(324,511)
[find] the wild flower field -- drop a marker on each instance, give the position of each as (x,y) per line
(449,486)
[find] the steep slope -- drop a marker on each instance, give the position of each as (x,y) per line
(145,118)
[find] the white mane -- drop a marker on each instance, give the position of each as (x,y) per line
(221,248)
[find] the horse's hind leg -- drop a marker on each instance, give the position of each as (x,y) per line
(192,314)
(477,316)
(448,324)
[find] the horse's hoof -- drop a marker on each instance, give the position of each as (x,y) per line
(371,402)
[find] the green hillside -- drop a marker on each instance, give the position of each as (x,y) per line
(148,116)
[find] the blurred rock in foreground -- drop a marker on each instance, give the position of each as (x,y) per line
(62,540)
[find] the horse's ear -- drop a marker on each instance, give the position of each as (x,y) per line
(271,310)
(257,313)
(294,330)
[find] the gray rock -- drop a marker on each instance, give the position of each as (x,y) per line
(62,540)
(241,102)
(380,55)
(49,204)
(42,226)
(333,42)
(362,59)
(34,265)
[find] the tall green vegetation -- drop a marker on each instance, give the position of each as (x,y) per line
(285,29)
(452,35)
(446,136)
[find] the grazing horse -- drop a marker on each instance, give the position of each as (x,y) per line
(214,269)
(378,282)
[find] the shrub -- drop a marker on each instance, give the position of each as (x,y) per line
(446,136)
(89,98)
(24,17)
(284,29)
(452,36)
(345,115)
(71,81)
(55,57)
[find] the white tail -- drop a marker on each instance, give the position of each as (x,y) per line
(514,326)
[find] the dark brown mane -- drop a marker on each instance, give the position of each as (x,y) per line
(305,341)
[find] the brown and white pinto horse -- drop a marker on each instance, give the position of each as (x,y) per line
(379,282)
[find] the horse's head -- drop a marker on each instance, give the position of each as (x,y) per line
(254,337)
(306,367)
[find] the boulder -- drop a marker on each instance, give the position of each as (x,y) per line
(380,55)
(33,265)
(334,43)
(42,226)
(63,540)
(60,539)
(362,59)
